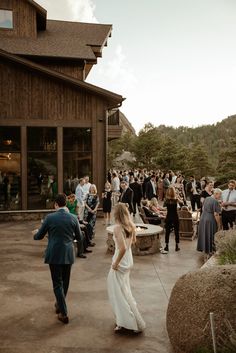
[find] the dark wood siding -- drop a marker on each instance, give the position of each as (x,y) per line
(27,95)
(28,98)
(24,19)
(71,70)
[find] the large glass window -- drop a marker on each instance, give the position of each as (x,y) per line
(10,168)
(77,156)
(42,167)
(6,19)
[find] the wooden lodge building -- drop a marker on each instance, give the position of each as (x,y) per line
(53,125)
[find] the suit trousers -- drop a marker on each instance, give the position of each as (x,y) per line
(195,199)
(60,275)
(228,218)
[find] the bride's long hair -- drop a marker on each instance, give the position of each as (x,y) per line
(122,217)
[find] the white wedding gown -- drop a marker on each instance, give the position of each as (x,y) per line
(120,295)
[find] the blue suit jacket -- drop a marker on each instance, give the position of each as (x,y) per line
(62,228)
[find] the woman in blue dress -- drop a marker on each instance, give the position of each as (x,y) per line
(209,223)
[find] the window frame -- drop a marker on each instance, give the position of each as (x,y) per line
(8,28)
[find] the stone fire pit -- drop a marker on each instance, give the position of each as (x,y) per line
(148,239)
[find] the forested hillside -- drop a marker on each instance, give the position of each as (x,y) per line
(213,137)
(205,150)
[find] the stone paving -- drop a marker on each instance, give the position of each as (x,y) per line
(28,323)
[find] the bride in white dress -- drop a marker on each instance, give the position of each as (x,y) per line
(119,291)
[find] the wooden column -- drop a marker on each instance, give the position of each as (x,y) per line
(106,146)
(60,158)
(24,169)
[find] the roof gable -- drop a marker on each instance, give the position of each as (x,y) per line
(116,99)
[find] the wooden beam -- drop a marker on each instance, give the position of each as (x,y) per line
(24,169)
(60,159)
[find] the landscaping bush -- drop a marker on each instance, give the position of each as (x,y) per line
(226,247)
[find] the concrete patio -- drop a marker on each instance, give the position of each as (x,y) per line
(28,323)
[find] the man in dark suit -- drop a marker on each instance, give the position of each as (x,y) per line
(193,189)
(151,188)
(126,195)
(62,228)
(138,193)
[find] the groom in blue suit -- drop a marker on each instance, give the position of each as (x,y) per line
(62,228)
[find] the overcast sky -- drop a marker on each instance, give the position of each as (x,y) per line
(173,60)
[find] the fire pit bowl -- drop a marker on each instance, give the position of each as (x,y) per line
(147,239)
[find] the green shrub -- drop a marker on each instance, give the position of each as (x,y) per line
(226,247)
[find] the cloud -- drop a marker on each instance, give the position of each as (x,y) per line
(115,73)
(70,10)
(83,10)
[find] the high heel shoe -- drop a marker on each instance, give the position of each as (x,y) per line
(117,328)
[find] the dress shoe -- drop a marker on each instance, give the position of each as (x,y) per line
(87,251)
(91,244)
(166,248)
(82,256)
(57,310)
(63,318)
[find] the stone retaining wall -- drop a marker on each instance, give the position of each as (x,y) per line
(29,215)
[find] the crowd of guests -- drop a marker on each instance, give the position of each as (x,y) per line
(161,194)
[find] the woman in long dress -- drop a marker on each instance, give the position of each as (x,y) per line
(119,291)
(90,210)
(209,222)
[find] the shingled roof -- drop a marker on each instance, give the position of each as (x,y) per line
(62,39)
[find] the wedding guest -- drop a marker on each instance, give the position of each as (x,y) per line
(62,227)
(160,188)
(82,247)
(172,218)
(90,210)
(207,192)
(79,194)
(166,182)
(153,217)
(72,204)
(193,190)
(179,189)
(229,205)
(155,207)
(151,188)
(86,186)
(106,203)
(209,223)
(126,195)
(118,283)
(172,177)
(115,187)
(137,193)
